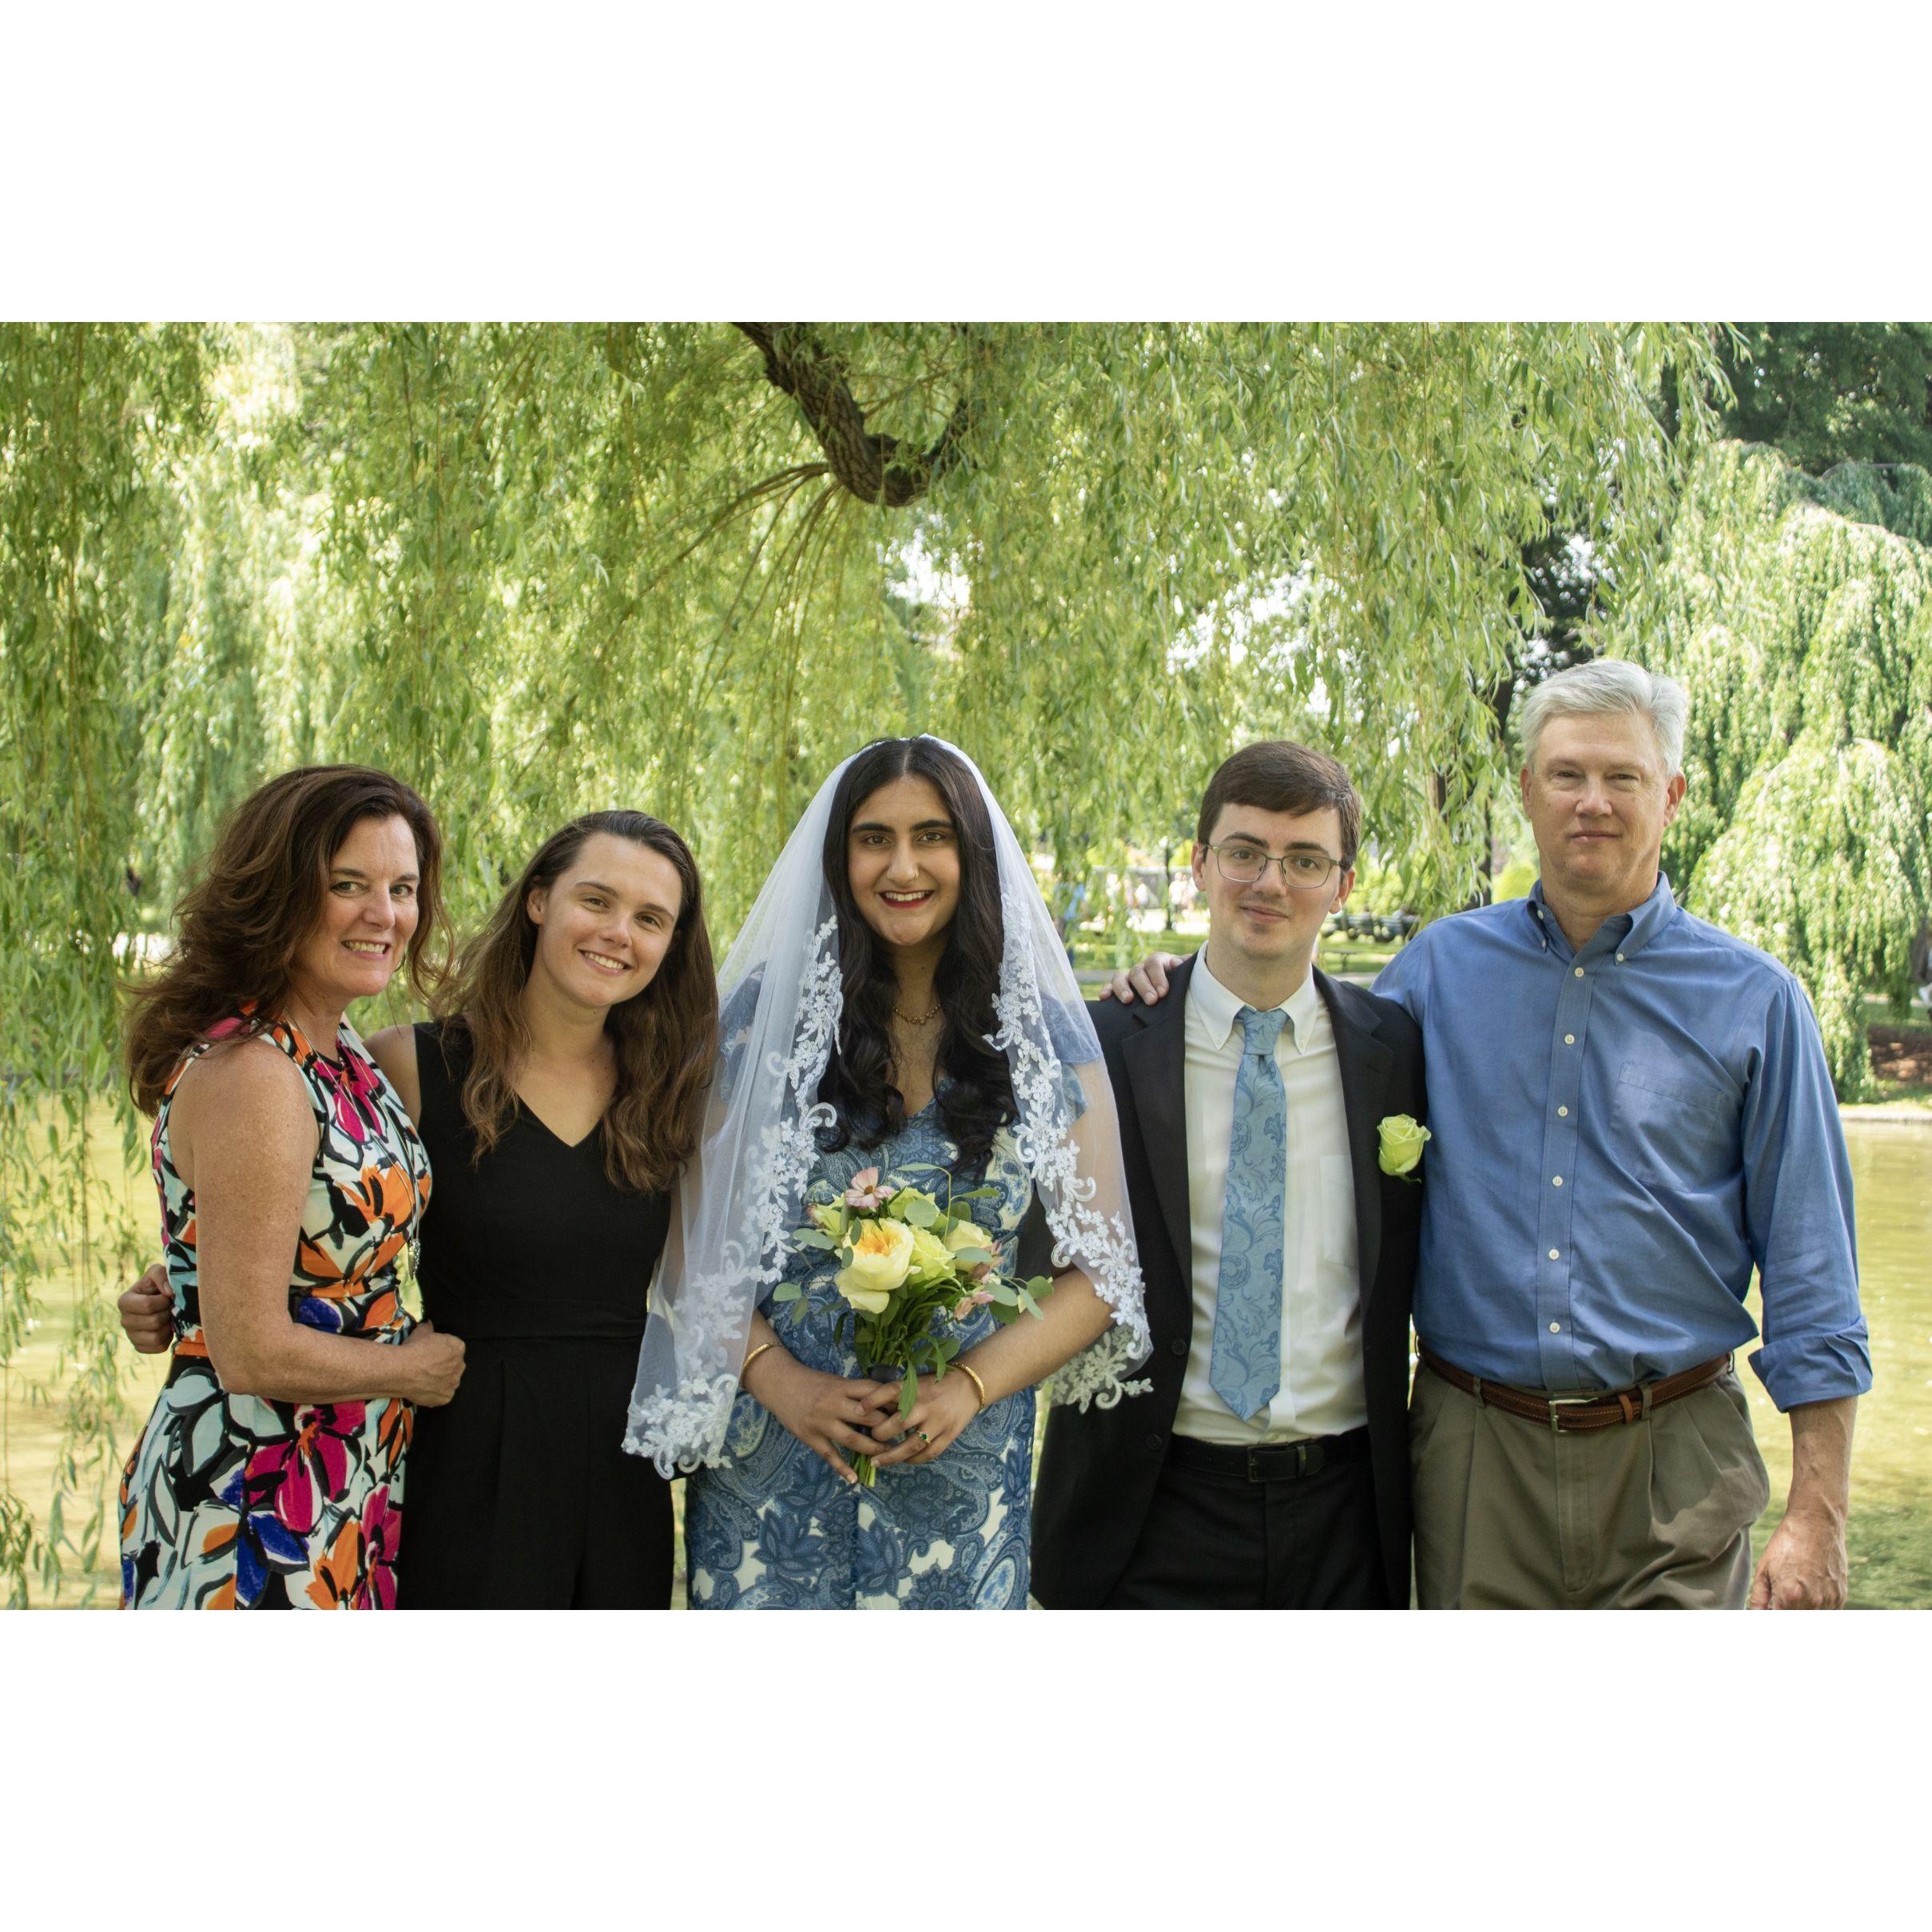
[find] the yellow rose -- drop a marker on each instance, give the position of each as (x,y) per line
(932,1259)
(968,1234)
(881,1252)
(901,1202)
(1401,1142)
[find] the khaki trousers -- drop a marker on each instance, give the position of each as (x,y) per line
(1654,1514)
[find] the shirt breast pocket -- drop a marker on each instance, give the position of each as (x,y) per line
(1673,1126)
(1337,1212)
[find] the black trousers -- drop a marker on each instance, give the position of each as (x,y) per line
(1216,1539)
(519,1494)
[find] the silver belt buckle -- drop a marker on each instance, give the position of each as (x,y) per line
(1564,1402)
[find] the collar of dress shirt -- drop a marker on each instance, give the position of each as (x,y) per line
(1625,933)
(1219,1008)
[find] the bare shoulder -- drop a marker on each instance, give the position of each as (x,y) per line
(242,1073)
(394,1051)
(244,1099)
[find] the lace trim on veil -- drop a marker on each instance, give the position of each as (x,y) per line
(1101,1242)
(683,1428)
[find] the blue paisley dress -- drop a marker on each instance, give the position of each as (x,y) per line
(773,1527)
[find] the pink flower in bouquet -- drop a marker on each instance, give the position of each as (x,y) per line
(864,1195)
(979,1297)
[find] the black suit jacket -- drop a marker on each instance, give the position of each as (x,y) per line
(1098,1467)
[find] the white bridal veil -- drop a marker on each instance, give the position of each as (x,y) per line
(742,1193)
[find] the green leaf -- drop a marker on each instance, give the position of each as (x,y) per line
(908,1393)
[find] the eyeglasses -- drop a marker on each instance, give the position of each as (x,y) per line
(1304,871)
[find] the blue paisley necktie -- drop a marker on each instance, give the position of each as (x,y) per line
(1244,1370)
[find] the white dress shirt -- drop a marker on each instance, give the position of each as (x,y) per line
(1321,1385)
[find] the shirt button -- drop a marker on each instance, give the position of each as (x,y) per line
(1619,959)
(1579,971)
(1154,1440)
(1563,1113)
(1569,1039)
(1558,1181)
(1177,1346)
(1553,1255)
(1555,1328)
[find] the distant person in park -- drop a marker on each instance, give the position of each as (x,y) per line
(1632,1111)
(1268,1468)
(558,1094)
(898,995)
(270,1474)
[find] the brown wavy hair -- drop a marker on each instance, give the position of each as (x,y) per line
(239,927)
(666,1037)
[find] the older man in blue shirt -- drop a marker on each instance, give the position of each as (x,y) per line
(1631,1111)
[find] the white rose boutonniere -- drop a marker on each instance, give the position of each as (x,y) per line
(1401,1138)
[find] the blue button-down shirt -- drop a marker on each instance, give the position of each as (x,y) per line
(1621,1133)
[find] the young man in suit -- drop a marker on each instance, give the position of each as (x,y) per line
(1268,1467)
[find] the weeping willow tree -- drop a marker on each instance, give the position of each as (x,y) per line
(1798,610)
(536,570)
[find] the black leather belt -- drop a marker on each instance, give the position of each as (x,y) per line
(1270,1461)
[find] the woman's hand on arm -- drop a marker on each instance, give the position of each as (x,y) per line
(1022,1354)
(244,1140)
(147,1311)
(828,1413)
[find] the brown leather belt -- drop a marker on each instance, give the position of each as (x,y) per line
(1567,1413)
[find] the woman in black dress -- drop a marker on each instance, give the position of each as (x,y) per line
(559,1094)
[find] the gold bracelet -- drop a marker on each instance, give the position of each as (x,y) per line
(744,1366)
(966,1370)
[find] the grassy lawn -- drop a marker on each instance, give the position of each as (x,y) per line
(1901,1054)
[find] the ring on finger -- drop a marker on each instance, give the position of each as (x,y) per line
(925,1438)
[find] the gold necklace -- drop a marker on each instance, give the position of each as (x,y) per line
(925,1019)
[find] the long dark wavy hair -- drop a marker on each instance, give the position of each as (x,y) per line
(665,1037)
(857,1079)
(259,897)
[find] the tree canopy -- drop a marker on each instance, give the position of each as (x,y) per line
(1832,392)
(1798,613)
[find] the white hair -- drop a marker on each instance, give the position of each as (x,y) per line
(1611,685)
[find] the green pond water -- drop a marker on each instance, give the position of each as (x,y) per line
(1890,1534)
(1890,1540)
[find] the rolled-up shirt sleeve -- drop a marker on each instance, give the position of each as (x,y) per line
(1797,1214)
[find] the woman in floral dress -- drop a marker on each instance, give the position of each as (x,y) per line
(270,1474)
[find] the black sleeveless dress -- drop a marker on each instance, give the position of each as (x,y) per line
(521,1495)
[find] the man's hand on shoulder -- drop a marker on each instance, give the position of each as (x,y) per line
(1148,980)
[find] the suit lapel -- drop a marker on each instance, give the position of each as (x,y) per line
(1155,1061)
(1365,1064)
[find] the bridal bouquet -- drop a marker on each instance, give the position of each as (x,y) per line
(914,1268)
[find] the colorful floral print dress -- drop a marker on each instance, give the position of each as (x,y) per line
(234,1502)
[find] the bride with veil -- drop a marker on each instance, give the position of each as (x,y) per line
(897,998)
